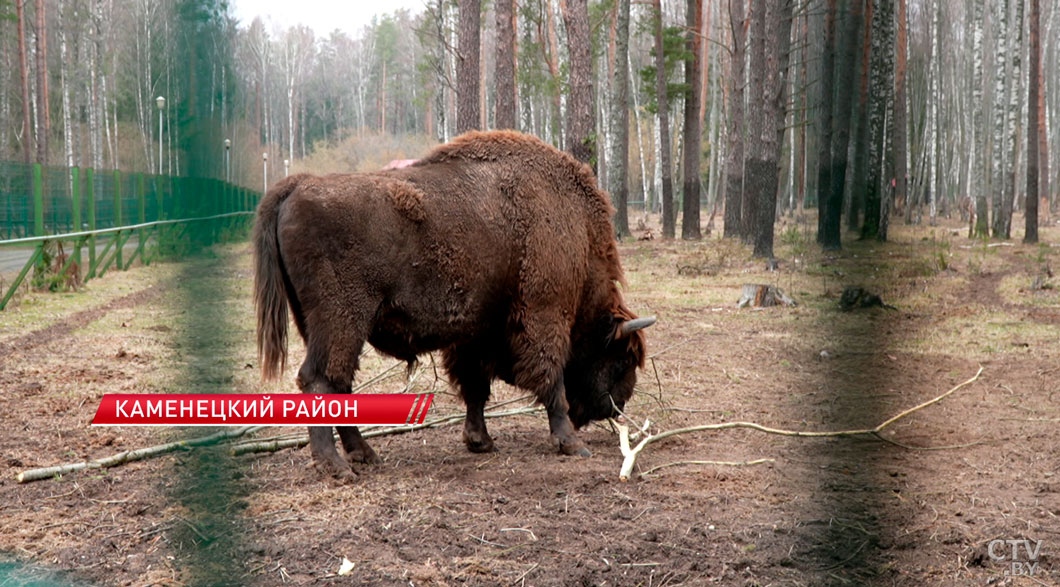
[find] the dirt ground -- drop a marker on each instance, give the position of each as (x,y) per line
(977,467)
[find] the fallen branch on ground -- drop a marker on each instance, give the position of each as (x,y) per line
(630,454)
(372,431)
(269,445)
(722,463)
(134,455)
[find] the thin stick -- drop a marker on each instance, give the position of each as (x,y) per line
(630,455)
(378,376)
(369,432)
(275,443)
(525,573)
(133,455)
(722,463)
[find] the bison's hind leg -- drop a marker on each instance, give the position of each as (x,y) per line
(472,377)
(357,449)
(326,458)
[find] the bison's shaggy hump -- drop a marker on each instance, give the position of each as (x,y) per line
(407,200)
(530,156)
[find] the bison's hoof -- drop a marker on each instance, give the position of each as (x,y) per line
(333,465)
(479,442)
(364,455)
(573,447)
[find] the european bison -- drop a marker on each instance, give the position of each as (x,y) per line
(496,249)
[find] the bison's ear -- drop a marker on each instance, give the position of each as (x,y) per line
(630,326)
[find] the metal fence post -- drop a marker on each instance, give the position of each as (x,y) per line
(158,196)
(143,218)
(38,212)
(38,201)
(75,195)
(90,198)
(117,215)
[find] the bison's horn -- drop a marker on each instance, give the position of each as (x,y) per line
(630,326)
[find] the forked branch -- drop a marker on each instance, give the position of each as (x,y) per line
(630,454)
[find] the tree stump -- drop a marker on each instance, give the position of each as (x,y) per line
(763,296)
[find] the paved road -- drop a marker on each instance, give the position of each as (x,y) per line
(12,259)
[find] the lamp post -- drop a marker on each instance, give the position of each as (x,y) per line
(228,161)
(264,172)
(161,105)
(286,163)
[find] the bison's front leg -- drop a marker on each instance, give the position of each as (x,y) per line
(476,437)
(559,423)
(466,367)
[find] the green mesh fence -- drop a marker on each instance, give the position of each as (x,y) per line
(76,200)
(110,217)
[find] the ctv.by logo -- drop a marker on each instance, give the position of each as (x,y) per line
(1022,554)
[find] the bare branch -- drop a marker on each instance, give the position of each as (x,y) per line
(630,454)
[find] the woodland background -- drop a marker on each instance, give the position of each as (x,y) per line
(873,111)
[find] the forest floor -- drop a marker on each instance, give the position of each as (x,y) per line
(824,511)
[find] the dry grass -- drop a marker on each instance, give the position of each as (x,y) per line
(362,153)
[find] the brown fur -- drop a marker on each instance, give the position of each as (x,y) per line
(496,249)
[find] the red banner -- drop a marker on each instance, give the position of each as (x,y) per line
(250,409)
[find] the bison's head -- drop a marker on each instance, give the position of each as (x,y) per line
(602,369)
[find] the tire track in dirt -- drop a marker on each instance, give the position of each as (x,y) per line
(65,326)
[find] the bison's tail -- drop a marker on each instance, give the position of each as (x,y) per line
(270,296)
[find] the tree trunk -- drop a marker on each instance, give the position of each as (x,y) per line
(901,196)
(1043,139)
(934,99)
(827,216)
(619,173)
(859,187)
(6,68)
(94,110)
(581,109)
(645,181)
(64,81)
(800,159)
(734,164)
(555,124)
(505,72)
(664,147)
(755,174)
(881,76)
(985,122)
(467,67)
(27,135)
(775,98)
(1011,143)
(690,210)
(845,69)
(1034,125)
(43,114)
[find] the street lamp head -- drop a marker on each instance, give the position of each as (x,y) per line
(286,162)
(228,143)
(161,102)
(264,156)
